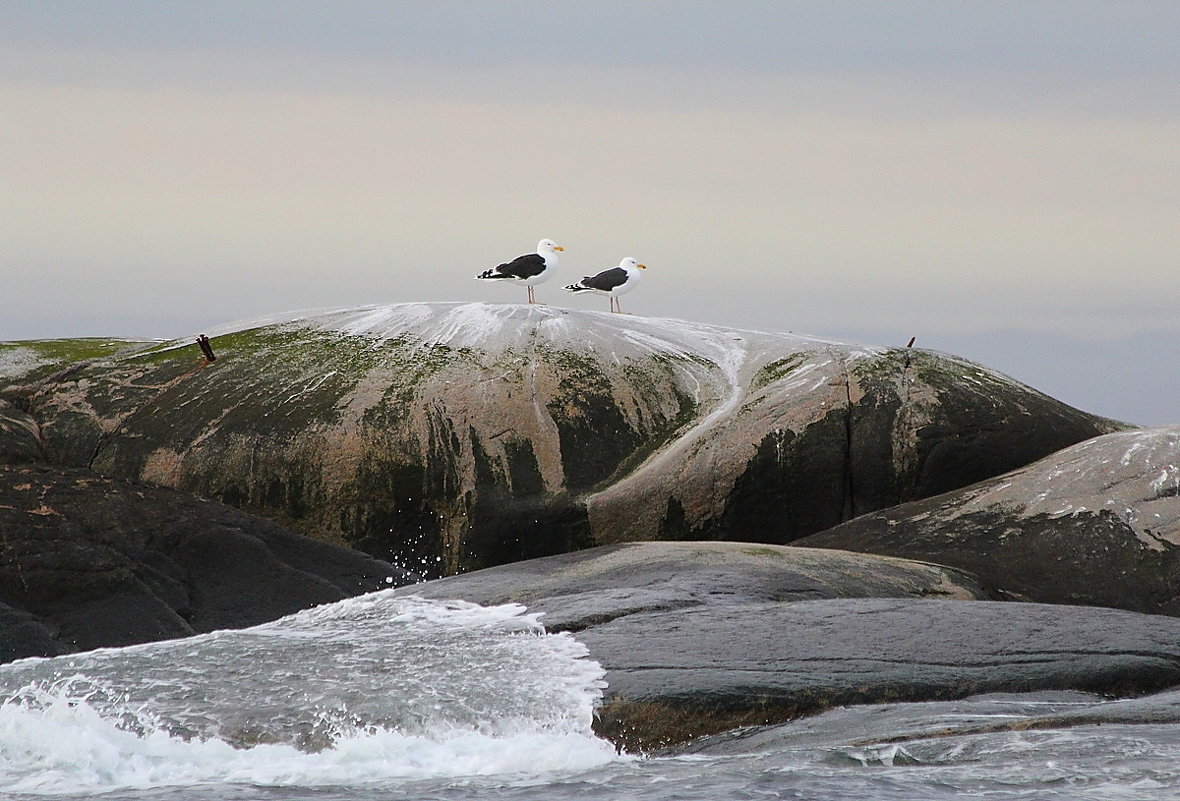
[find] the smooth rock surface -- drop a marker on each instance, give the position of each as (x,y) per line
(699,638)
(717,668)
(930,730)
(591,587)
(1097,523)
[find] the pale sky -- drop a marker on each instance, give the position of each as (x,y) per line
(1000,179)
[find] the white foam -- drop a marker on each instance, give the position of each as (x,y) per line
(377,687)
(67,747)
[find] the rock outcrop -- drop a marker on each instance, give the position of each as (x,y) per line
(673,676)
(1096,524)
(451,437)
(588,588)
(927,732)
(699,638)
(89,562)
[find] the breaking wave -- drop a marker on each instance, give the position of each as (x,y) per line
(365,690)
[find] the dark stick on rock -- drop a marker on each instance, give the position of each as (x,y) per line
(206,348)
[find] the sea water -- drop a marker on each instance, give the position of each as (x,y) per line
(384,697)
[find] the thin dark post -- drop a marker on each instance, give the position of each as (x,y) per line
(206,348)
(907,352)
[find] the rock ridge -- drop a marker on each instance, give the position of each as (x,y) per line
(457,436)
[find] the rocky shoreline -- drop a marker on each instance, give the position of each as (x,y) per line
(743,528)
(698,638)
(462,436)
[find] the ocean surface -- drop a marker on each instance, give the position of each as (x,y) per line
(380,698)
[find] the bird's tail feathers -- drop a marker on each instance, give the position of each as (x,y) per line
(576,288)
(491,274)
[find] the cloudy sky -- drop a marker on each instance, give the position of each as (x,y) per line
(1000,179)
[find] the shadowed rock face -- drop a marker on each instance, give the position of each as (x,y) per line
(1097,523)
(703,637)
(89,562)
(447,437)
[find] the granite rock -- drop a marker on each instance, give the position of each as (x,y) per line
(700,638)
(88,561)
(1097,523)
(449,437)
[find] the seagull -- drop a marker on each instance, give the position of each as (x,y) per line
(614,282)
(529,269)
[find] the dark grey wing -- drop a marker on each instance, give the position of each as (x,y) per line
(526,266)
(606,280)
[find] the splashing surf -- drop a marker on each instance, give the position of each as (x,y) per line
(365,690)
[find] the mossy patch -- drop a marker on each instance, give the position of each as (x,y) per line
(777,370)
(648,726)
(32,360)
(763,553)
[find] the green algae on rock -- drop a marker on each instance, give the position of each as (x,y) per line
(448,437)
